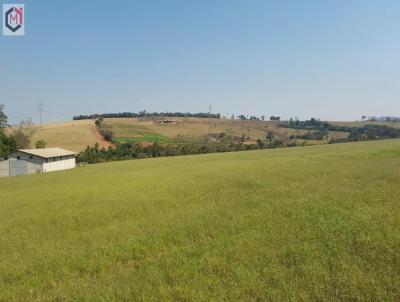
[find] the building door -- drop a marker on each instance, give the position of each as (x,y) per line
(18,167)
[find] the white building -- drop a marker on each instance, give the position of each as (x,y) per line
(30,161)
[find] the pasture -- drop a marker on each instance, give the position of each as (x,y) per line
(77,135)
(197,130)
(307,223)
(72,135)
(195,127)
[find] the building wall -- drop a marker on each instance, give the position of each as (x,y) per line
(4,168)
(66,162)
(34,163)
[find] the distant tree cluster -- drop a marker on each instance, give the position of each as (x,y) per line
(130,150)
(386,119)
(251,118)
(389,119)
(144,114)
(372,132)
(18,137)
(312,124)
(147,114)
(366,132)
(275,118)
(312,135)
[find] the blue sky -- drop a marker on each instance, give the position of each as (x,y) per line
(334,59)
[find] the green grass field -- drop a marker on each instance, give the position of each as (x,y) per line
(143,136)
(317,223)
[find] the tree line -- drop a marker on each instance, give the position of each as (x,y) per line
(105,133)
(144,114)
(386,119)
(150,115)
(130,150)
(366,132)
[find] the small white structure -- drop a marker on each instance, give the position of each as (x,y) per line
(30,161)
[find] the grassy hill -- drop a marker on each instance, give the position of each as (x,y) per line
(76,135)
(198,130)
(307,223)
(190,128)
(72,135)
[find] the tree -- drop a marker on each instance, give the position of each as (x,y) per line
(17,137)
(18,140)
(107,134)
(20,137)
(98,123)
(3,118)
(41,144)
(270,136)
(4,141)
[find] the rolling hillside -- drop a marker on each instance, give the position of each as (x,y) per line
(183,130)
(190,129)
(72,135)
(308,223)
(76,135)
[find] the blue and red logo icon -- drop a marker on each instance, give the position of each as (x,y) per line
(13,15)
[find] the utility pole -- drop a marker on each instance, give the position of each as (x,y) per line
(209,121)
(40,108)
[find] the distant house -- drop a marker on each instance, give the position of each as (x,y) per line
(30,161)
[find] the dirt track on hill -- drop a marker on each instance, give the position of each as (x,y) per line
(102,142)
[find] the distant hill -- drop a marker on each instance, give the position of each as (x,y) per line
(195,130)
(72,135)
(76,135)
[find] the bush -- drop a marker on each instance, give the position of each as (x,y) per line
(41,144)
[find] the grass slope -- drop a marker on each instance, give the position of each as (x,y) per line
(194,129)
(143,136)
(73,135)
(310,223)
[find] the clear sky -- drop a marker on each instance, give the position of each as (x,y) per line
(330,59)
